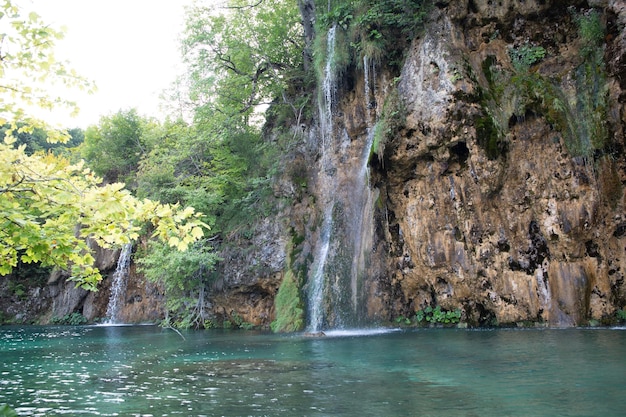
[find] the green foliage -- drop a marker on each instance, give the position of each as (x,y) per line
(621,315)
(73,319)
(431,316)
(17,289)
(579,113)
(437,315)
(288,306)
(242,56)
(114,147)
(238,322)
(525,56)
(44,198)
(374,28)
(582,118)
(391,122)
(48,206)
(36,140)
(184,278)
(403,320)
(488,136)
(590,29)
(28,68)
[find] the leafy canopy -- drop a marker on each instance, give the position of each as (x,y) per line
(114,147)
(241,55)
(51,209)
(48,209)
(27,68)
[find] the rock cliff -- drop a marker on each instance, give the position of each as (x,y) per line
(495,206)
(498,187)
(58,299)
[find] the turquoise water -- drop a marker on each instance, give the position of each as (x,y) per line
(147,371)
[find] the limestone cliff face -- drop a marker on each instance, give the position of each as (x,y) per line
(499,193)
(530,232)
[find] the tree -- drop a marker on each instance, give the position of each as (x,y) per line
(50,208)
(36,140)
(27,67)
(242,55)
(114,147)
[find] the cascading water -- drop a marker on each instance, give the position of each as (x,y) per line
(369,74)
(316,291)
(329,86)
(363,202)
(346,229)
(325,105)
(118,286)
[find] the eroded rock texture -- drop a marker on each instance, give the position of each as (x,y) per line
(527,230)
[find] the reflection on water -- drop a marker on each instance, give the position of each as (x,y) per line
(144,370)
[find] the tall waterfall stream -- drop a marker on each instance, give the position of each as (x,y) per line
(334,293)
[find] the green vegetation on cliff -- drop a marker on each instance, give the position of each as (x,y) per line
(577,112)
(289,309)
(380,30)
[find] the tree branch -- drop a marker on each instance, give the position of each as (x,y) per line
(250,6)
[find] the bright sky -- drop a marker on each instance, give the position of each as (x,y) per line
(130,48)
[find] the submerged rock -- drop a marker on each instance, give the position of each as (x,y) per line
(314,334)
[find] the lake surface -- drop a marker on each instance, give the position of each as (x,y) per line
(148,371)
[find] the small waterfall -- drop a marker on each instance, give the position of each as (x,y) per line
(369,75)
(363,201)
(118,286)
(366,76)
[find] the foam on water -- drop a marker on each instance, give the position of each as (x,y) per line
(359,332)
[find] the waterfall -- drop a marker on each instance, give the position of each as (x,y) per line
(345,233)
(329,84)
(325,105)
(316,294)
(118,286)
(369,76)
(362,199)
(366,77)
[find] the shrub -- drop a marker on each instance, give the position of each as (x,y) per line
(438,315)
(590,30)
(73,319)
(391,122)
(378,29)
(525,56)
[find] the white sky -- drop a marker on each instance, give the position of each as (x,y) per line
(129,48)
